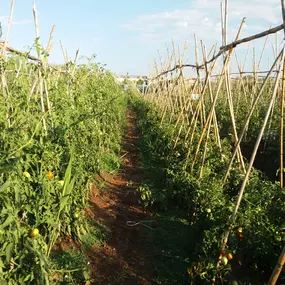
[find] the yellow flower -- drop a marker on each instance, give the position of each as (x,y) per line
(49,175)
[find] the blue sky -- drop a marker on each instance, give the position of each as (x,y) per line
(126,35)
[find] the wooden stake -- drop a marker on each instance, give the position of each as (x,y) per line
(282,112)
(278,268)
(250,114)
(210,116)
(242,189)
(49,45)
(9,26)
(226,23)
(37,29)
(216,128)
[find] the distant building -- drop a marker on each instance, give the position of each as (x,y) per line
(132,78)
(190,80)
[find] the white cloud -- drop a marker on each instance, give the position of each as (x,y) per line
(181,24)
(264,10)
(204,19)
(153,22)
(4,21)
(22,22)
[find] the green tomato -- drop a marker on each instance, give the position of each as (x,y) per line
(208,210)
(278,238)
(34,233)
(27,174)
(224,260)
(239,229)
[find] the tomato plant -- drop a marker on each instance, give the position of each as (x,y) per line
(257,237)
(49,159)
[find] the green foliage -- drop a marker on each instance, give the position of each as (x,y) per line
(146,195)
(209,204)
(96,235)
(50,158)
(170,254)
(139,82)
(70,267)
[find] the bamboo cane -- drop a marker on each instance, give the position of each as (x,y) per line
(40,79)
(282,112)
(230,46)
(262,52)
(278,268)
(249,116)
(267,135)
(215,121)
(63,52)
(242,189)
(35,12)
(222,26)
(209,119)
(276,50)
(226,23)
(194,117)
(241,82)
(203,112)
(49,45)
(232,117)
(216,128)
(42,103)
(8,27)
(168,93)
(175,83)
(2,54)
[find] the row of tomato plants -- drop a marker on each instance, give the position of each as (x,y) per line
(258,235)
(46,171)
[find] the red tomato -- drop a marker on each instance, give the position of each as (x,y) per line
(240,235)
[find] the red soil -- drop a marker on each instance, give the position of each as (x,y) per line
(124,258)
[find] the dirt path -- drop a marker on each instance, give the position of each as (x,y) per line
(124,257)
